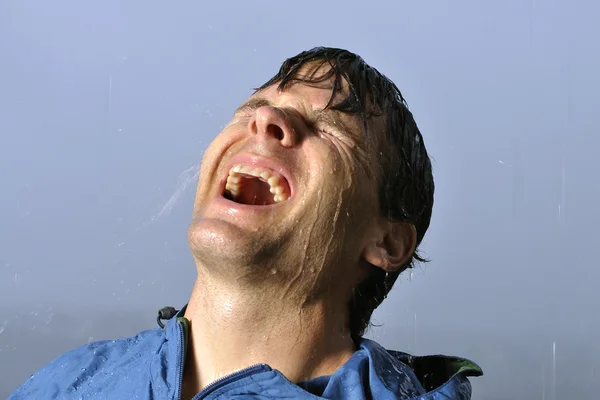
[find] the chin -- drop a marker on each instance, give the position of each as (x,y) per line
(215,242)
(212,237)
(229,248)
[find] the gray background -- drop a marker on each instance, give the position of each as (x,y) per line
(106,107)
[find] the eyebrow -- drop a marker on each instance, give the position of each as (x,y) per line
(315,116)
(253,104)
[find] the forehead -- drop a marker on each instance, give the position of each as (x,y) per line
(309,85)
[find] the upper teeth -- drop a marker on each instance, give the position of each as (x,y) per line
(272,177)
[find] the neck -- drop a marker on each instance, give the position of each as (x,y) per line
(232,329)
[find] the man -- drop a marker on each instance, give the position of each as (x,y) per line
(310,203)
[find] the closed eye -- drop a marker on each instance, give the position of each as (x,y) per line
(349,146)
(337,135)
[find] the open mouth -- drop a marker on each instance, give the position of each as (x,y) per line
(256,186)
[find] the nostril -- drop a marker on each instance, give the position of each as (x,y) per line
(275,131)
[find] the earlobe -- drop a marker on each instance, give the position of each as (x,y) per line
(394,250)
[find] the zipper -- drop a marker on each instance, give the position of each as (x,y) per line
(241,374)
(182,358)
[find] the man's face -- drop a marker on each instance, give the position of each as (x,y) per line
(287,192)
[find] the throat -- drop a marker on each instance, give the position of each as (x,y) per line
(282,342)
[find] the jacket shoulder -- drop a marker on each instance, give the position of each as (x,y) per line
(66,375)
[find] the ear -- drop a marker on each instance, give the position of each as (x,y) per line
(394,248)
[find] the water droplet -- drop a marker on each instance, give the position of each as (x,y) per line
(3,326)
(273,271)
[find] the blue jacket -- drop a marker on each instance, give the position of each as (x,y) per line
(150,366)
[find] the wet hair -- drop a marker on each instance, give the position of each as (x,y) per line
(405,176)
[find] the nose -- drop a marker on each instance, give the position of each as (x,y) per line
(272,122)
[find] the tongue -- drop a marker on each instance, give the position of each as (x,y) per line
(254,191)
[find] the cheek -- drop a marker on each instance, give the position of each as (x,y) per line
(208,169)
(337,168)
(219,150)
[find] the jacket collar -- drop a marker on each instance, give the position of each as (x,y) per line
(387,371)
